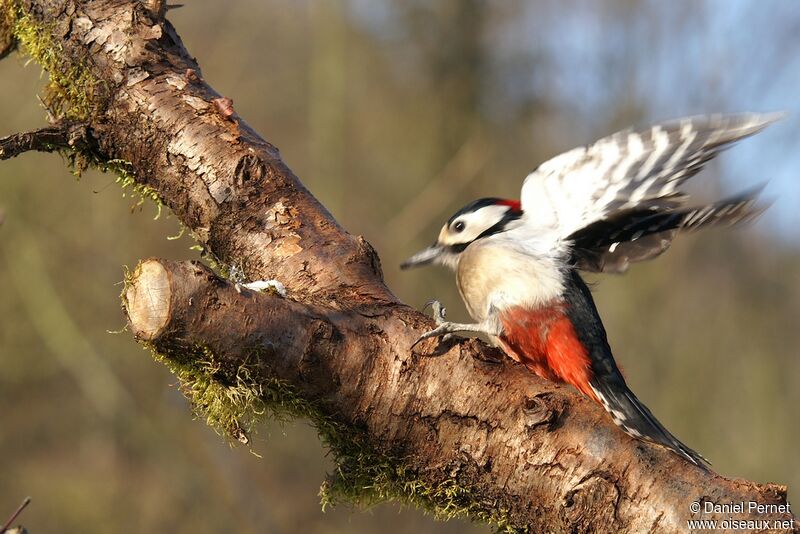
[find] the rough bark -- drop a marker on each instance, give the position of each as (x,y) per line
(520,452)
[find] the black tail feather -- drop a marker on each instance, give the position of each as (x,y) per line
(638,421)
(607,383)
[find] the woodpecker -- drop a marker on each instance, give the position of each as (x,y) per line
(596,208)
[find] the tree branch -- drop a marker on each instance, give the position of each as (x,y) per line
(464,433)
(65,136)
(543,457)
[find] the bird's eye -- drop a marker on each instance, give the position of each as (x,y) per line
(459,226)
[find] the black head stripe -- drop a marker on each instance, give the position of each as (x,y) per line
(474,206)
(501,225)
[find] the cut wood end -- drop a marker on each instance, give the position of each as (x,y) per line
(148,299)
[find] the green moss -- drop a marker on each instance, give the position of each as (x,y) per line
(126,178)
(231,409)
(234,403)
(72,91)
(366,479)
(230,403)
(79,161)
(218,266)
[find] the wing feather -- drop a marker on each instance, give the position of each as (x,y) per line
(628,168)
(632,180)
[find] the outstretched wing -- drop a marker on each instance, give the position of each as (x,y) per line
(610,245)
(627,183)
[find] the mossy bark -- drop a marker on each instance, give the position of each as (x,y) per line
(460,433)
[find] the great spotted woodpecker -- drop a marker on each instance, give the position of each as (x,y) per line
(596,208)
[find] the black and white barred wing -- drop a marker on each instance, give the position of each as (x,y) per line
(619,200)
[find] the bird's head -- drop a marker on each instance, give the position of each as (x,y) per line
(477,220)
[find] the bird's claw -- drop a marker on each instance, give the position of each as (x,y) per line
(439,314)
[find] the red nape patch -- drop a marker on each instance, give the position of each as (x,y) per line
(545,341)
(515,205)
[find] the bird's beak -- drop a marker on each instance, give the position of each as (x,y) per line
(423,257)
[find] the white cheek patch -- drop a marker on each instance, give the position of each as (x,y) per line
(475,223)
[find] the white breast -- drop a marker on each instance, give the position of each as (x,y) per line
(499,272)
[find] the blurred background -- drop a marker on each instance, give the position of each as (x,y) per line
(394,114)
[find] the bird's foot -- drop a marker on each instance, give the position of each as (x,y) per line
(236,275)
(443,328)
(439,311)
